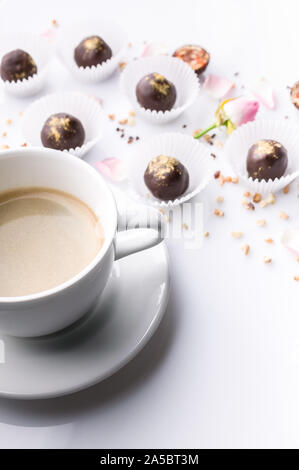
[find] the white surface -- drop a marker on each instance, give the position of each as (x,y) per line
(100,343)
(222,369)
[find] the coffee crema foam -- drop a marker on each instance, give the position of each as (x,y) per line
(46,238)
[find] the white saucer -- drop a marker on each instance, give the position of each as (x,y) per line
(105,340)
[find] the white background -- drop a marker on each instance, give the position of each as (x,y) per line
(222,370)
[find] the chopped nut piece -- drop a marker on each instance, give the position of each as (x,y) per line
(3,147)
(111,117)
(221,180)
(228,179)
(237,234)
(207,234)
(248,205)
(4,134)
(296,278)
(257,197)
(270,199)
(185,226)
(245,249)
(131,121)
(219,144)
(207,138)
(8,121)
(261,222)
(54,23)
(247,194)
(122,65)
(132,113)
(269,240)
(286,189)
(217,174)
(235,180)
(267,260)
(220,199)
(218,213)
(263,204)
(197,131)
(24,144)
(123,121)
(283,215)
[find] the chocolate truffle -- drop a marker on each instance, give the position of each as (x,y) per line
(295,95)
(166,178)
(92,51)
(155,92)
(195,56)
(17,65)
(62,132)
(267,159)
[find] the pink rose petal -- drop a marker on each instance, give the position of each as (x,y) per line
(290,239)
(112,168)
(217,87)
(49,34)
(241,110)
(96,98)
(154,49)
(264,93)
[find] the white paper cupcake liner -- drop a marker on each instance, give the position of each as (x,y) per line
(175,70)
(192,154)
(244,137)
(71,36)
(39,49)
(83,107)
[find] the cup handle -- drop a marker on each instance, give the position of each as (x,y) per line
(143,230)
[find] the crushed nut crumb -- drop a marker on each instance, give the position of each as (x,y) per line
(245,248)
(269,240)
(8,121)
(131,121)
(257,197)
(185,226)
(219,144)
(267,260)
(247,194)
(236,234)
(206,234)
(132,113)
(122,65)
(123,121)
(220,199)
(296,278)
(261,222)
(235,180)
(111,117)
(283,215)
(218,213)
(4,147)
(55,23)
(4,134)
(286,189)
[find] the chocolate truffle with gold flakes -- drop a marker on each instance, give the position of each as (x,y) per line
(166,178)
(17,65)
(295,95)
(92,50)
(195,56)
(267,159)
(62,132)
(155,92)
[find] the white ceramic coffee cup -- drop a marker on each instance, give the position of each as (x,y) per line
(52,310)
